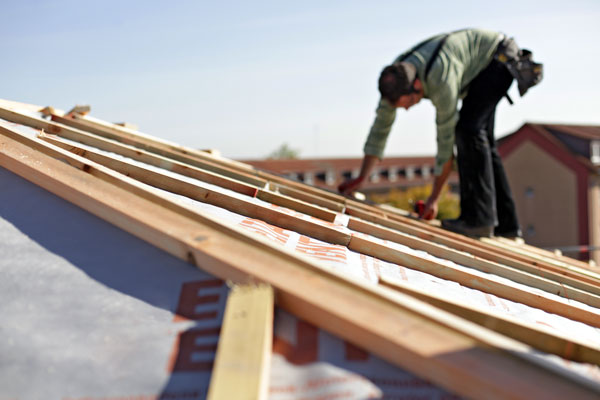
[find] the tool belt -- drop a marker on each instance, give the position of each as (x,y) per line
(520,64)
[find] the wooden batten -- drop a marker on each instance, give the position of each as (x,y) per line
(158,146)
(74,134)
(465,244)
(103,128)
(243,360)
(480,264)
(248,187)
(196,173)
(447,350)
(231,203)
(536,336)
(297,205)
(370,247)
(543,258)
(309,198)
(175,151)
(483,245)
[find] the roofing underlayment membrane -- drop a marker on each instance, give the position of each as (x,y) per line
(90,311)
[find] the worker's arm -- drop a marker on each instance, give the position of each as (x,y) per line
(431,206)
(352,185)
(373,149)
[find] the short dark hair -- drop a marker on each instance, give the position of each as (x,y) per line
(397,80)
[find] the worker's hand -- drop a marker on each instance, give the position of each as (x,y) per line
(431,209)
(351,185)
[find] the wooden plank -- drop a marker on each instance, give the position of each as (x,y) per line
(544,258)
(493,250)
(150,144)
(480,264)
(86,130)
(184,169)
(465,245)
(161,147)
(313,190)
(228,202)
(510,292)
(247,186)
(297,205)
(12,115)
(308,197)
(104,128)
(243,360)
(435,345)
(537,336)
(196,173)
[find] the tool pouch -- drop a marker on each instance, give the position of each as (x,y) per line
(520,64)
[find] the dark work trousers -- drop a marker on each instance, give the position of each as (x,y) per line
(485,196)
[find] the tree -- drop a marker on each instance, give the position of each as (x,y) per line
(284,152)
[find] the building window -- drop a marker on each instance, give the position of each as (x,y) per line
(410,172)
(595,151)
(330,177)
(425,171)
(309,178)
(393,174)
(375,176)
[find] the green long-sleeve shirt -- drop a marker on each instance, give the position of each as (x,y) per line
(461,58)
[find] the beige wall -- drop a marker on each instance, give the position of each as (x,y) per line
(545,193)
(594,216)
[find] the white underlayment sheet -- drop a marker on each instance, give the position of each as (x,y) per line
(90,312)
(340,258)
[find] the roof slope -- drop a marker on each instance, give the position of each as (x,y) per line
(574,139)
(408,292)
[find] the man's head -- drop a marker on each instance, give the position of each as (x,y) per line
(398,84)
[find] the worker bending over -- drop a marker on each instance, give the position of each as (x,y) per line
(477,66)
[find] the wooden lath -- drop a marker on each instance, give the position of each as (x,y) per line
(222,200)
(243,360)
(472,247)
(192,172)
(447,350)
(535,336)
(524,257)
(468,279)
(480,264)
(182,153)
(208,162)
(542,256)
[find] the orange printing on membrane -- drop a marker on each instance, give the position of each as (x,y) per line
(197,340)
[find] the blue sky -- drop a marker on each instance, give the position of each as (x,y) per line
(245,77)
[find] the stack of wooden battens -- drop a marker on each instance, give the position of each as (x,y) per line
(461,348)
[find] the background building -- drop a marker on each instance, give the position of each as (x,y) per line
(328,173)
(554,175)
